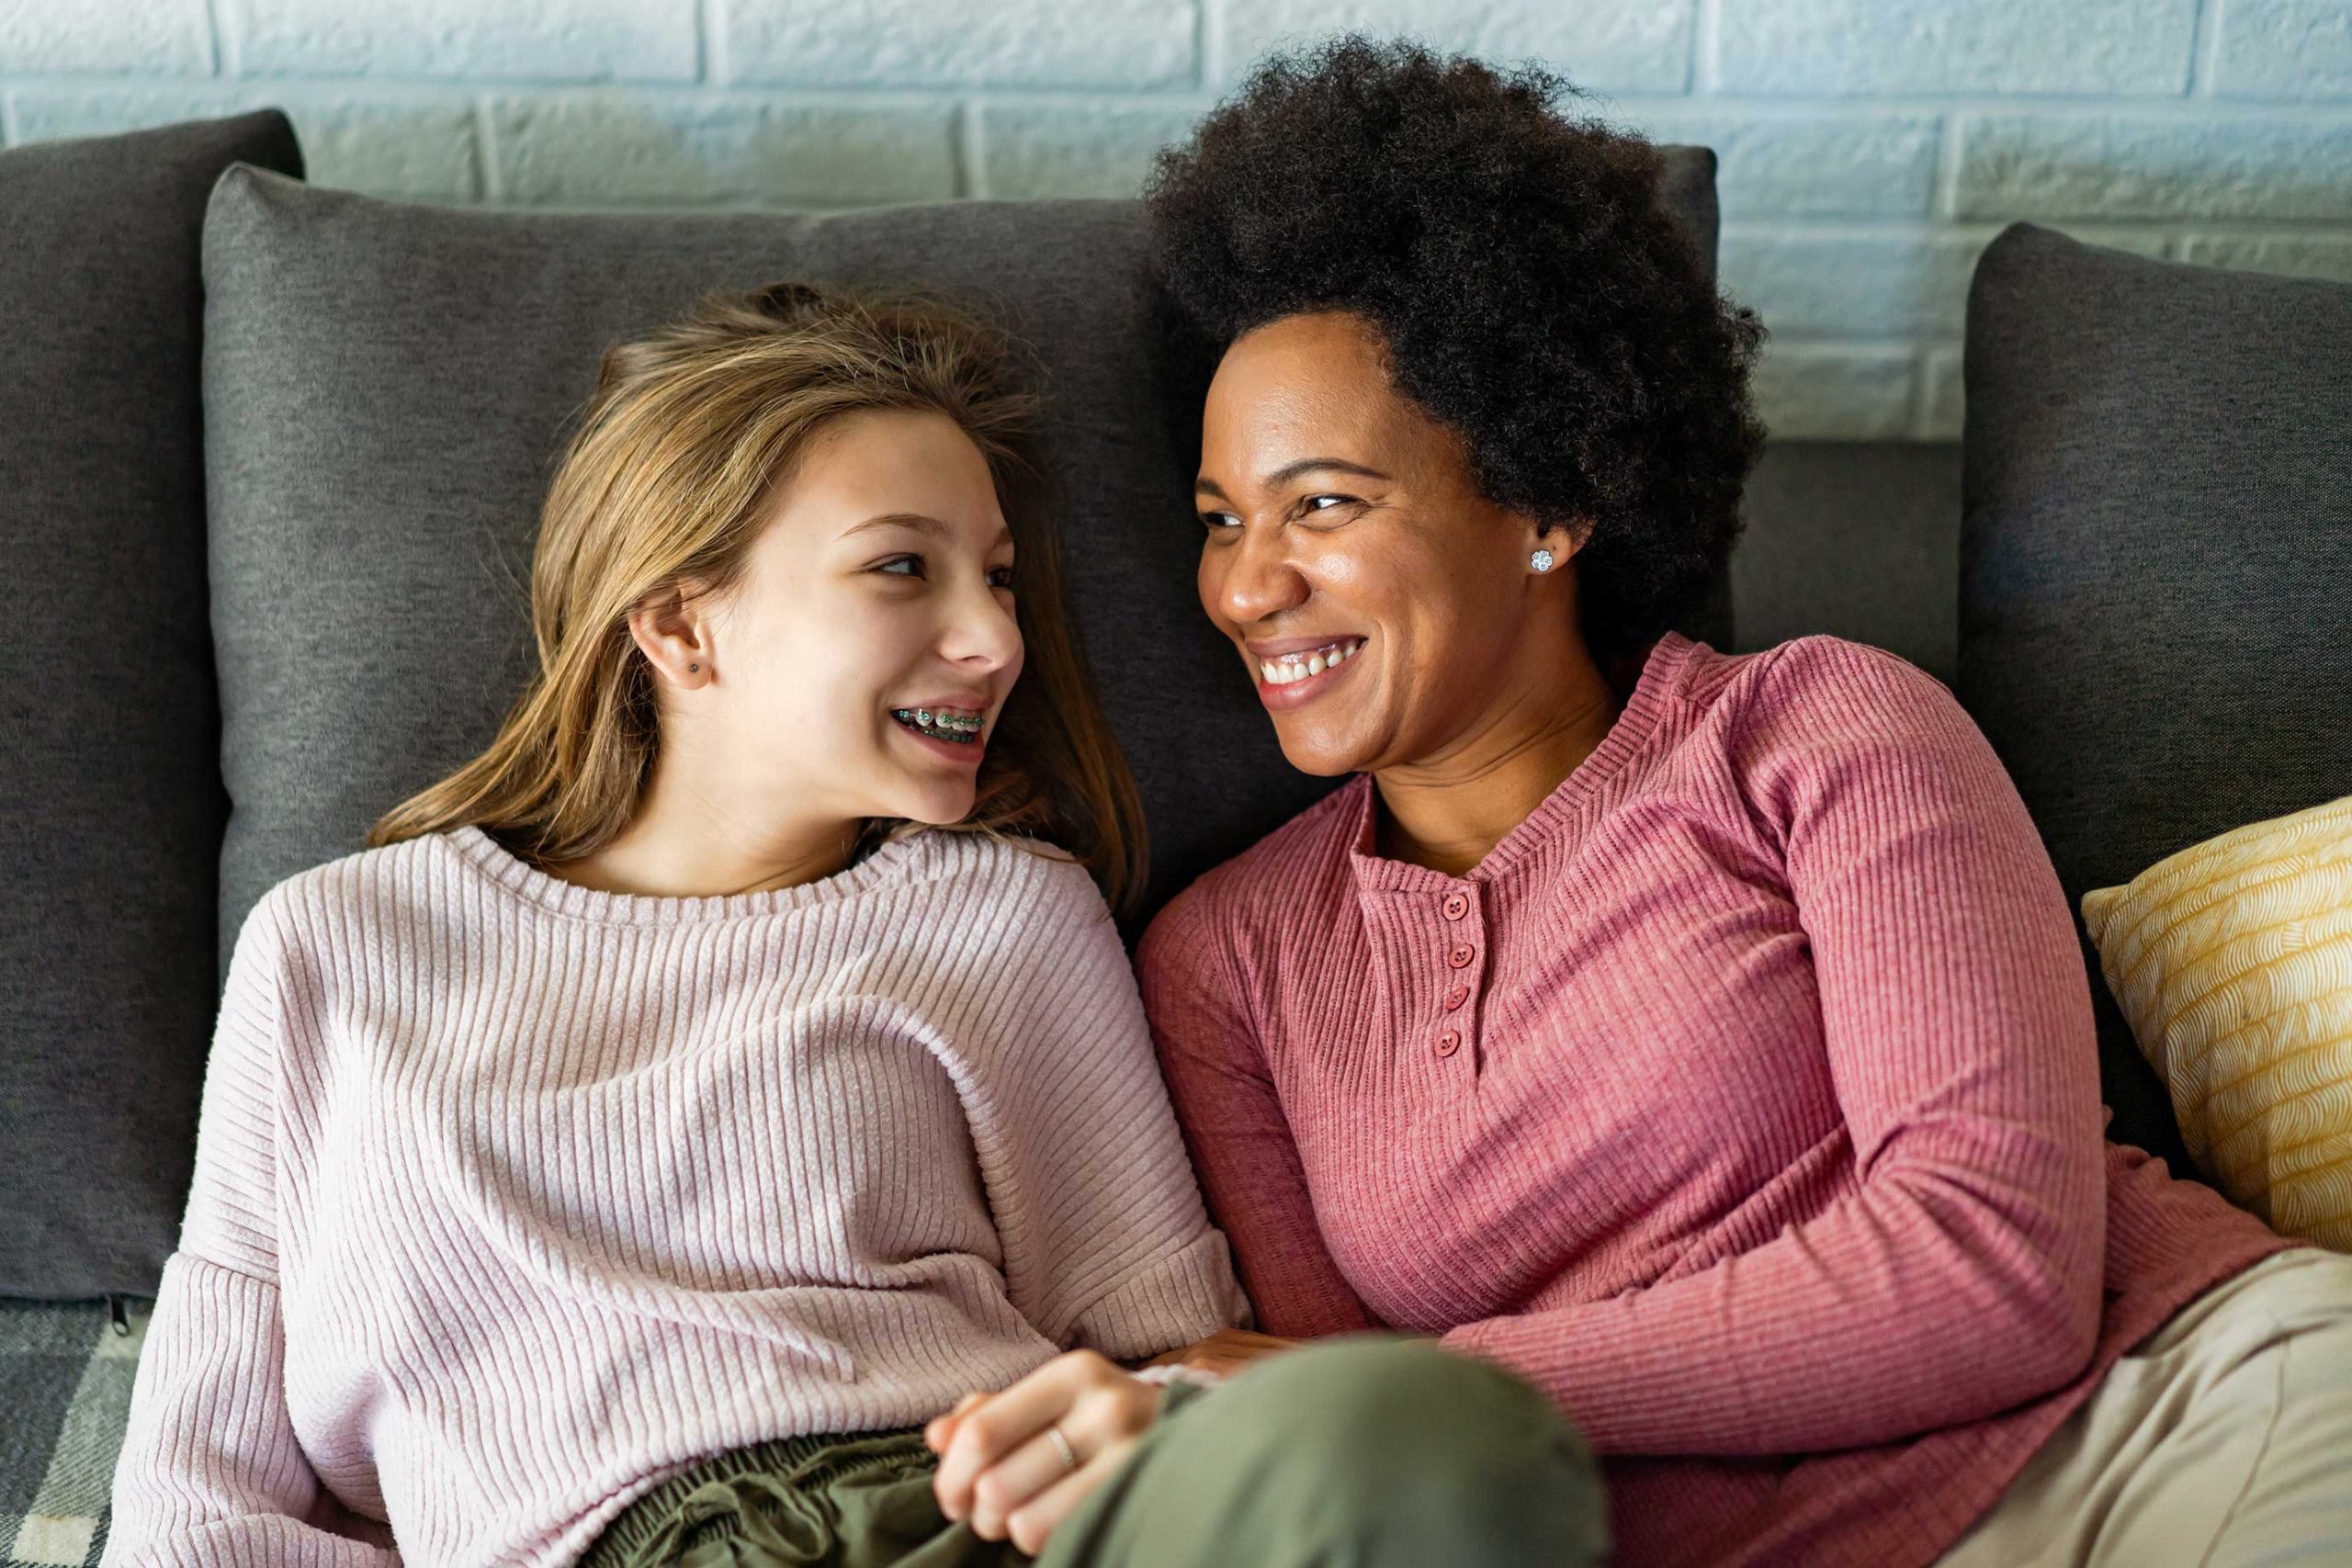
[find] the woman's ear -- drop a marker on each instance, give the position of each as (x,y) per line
(1561,540)
(672,629)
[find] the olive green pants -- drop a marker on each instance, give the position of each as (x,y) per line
(1350,1453)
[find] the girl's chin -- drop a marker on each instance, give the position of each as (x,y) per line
(938,804)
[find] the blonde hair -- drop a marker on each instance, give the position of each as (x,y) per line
(664,483)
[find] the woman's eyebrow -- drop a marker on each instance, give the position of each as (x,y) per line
(1290,471)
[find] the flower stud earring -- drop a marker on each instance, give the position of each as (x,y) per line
(1540,560)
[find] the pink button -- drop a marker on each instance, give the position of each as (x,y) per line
(1449,1041)
(1461,956)
(1456,906)
(1457,996)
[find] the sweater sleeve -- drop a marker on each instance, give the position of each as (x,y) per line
(1234,1124)
(210,1471)
(1106,1242)
(1962,1275)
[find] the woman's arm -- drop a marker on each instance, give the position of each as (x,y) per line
(1963,1277)
(1234,1126)
(210,1471)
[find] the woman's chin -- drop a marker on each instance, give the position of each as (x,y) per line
(1321,756)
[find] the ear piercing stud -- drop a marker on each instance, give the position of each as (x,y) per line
(1540,560)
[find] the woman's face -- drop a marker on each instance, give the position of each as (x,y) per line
(1340,517)
(881,586)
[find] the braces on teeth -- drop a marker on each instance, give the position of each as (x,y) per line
(942,726)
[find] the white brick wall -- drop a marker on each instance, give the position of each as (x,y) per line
(1869,148)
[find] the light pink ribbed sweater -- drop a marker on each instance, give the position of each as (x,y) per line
(1744,1097)
(513,1197)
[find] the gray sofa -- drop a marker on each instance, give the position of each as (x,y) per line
(270,459)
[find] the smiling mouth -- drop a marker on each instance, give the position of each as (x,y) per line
(1291,667)
(961,727)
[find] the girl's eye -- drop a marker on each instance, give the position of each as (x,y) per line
(902,560)
(1005,572)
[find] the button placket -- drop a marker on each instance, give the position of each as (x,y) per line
(1460,952)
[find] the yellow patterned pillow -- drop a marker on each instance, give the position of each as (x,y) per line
(2232,960)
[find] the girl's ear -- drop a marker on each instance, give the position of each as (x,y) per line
(671,628)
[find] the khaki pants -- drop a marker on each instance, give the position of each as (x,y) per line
(2224,1441)
(1365,1452)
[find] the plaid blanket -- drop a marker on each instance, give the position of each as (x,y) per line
(66,1371)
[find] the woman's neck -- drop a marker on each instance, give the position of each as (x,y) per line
(1447,813)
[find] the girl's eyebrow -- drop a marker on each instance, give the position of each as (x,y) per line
(921,523)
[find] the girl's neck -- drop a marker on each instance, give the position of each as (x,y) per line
(682,843)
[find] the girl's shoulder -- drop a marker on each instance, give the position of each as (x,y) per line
(352,885)
(1013,881)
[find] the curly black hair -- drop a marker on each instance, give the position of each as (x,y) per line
(1532,292)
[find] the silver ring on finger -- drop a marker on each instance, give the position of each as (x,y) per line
(1061,1445)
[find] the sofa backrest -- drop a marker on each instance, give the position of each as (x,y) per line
(2155,612)
(109,769)
(386,386)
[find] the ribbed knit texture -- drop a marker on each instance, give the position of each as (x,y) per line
(513,1197)
(1770,1126)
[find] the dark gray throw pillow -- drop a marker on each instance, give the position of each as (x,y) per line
(2155,624)
(109,843)
(387,387)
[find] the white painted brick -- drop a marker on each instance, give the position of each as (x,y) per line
(2291,256)
(1633,46)
(1816,392)
(1804,165)
(2284,49)
(1808,284)
(1846,47)
(911,43)
(47,114)
(1945,395)
(2127,165)
(412,150)
(658,150)
(585,40)
(1850,286)
(1077,149)
(416,147)
(164,38)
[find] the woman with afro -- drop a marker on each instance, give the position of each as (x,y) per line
(1700,1038)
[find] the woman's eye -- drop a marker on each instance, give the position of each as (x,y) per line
(1215,520)
(1002,577)
(1313,502)
(915,561)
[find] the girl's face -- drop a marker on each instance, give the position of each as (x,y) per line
(880,589)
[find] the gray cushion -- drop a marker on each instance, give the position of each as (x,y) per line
(115,809)
(2156,564)
(388,385)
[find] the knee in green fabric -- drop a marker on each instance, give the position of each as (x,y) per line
(1375,1449)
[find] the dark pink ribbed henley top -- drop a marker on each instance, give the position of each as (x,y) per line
(1744,1097)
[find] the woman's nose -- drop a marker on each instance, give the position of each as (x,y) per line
(1252,578)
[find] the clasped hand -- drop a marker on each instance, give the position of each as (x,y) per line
(998,1465)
